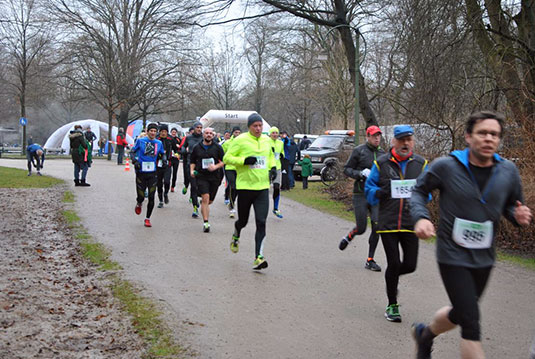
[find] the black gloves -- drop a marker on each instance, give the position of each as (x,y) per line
(137,165)
(251,160)
(165,162)
(272,174)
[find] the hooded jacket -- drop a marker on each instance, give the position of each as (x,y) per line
(460,197)
(78,145)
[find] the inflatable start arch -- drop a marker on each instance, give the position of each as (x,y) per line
(229,116)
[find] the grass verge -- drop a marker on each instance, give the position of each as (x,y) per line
(17,178)
(314,197)
(146,319)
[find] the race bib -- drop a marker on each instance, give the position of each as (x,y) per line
(402,188)
(260,163)
(160,163)
(277,156)
(147,166)
(472,235)
(206,162)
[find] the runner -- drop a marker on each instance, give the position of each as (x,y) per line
(278,149)
(476,187)
(34,152)
(206,167)
(389,183)
(145,155)
(230,174)
(253,158)
(226,137)
(175,156)
(358,167)
(187,147)
(163,170)
(185,166)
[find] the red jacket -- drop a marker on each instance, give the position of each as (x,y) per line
(121,141)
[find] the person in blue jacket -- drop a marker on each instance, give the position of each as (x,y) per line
(477,187)
(147,155)
(390,182)
(34,152)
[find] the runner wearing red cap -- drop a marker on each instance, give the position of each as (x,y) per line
(358,167)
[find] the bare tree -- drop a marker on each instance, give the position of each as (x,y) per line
(27,39)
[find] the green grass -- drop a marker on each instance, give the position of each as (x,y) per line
(68,197)
(146,319)
(315,198)
(521,261)
(17,178)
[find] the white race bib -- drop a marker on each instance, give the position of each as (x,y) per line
(147,166)
(277,156)
(260,163)
(160,163)
(206,162)
(402,188)
(473,235)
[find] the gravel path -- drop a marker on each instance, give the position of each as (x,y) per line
(312,302)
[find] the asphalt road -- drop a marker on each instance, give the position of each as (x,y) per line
(312,302)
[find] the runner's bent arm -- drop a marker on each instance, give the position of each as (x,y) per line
(371,186)
(350,168)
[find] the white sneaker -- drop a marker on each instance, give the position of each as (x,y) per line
(232,213)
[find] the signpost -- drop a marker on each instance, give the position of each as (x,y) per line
(23,122)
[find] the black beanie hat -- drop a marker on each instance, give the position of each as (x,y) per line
(254,117)
(152,125)
(163,126)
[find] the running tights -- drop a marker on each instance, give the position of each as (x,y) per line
(164,181)
(361,208)
(175,162)
(231,179)
(276,195)
(146,181)
(464,287)
(260,202)
(396,266)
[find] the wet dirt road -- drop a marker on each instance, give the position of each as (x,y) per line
(312,302)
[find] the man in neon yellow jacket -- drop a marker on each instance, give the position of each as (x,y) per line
(278,150)
(253,157)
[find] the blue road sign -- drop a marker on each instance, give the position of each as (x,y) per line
(23,121)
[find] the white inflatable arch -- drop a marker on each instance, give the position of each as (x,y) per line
(229,116)
(60,137)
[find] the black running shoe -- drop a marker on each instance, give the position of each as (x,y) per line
(166,199)
(343,243)
(424,348)
(371,265)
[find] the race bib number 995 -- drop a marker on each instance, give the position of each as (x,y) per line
(473,235)
(402,188)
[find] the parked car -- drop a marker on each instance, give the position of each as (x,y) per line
(333,147)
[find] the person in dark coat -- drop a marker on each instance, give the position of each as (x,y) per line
(79,152)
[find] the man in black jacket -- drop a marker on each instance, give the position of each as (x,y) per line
(358,167)
(79,148)
(476,187)
(187,148)
(164,171)
(206,167)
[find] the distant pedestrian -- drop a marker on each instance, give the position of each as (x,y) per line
(121,143)
(79,154)
(36,157)
(175,157)
(90,136)
(101,145)
(306,170)
(305,143)
(278,150)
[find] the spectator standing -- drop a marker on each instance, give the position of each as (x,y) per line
(306,170)
(79,152)
(121,143)
(305,143)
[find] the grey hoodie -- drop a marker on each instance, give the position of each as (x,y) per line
(461,198)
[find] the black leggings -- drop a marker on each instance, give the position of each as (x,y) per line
(231,186)
(464,287)
(260,202)
(37,163)
(174,165)
(146,181)
(361,208)
(185,168)
(395,266)
(164,181)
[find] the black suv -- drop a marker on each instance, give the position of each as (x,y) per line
(334,146)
